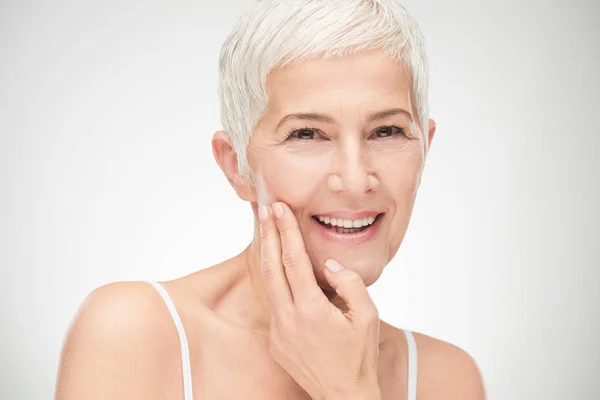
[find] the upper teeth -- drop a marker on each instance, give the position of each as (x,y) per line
(347,223)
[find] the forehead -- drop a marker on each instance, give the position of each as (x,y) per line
(359,81)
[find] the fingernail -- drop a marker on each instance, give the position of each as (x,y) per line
(277,210)
(263,213)
(333,265)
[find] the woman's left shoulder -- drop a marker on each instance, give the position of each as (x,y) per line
(445,370)
(450,370)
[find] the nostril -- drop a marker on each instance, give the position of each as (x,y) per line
(373,182)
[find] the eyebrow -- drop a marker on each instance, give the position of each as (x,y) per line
(328,119)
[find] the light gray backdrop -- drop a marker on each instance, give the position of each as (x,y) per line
(107,111)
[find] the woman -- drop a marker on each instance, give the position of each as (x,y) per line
(326,131)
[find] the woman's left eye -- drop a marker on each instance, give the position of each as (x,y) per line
(388,131)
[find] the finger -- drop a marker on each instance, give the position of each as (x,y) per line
(276,284)
(296,262)
(350,287)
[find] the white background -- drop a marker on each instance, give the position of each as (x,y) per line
(107,111)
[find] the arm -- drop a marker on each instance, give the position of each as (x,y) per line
(111,352)
(465,381)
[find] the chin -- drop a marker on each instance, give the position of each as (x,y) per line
(369,271)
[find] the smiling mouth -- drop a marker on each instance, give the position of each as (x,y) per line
(345,226)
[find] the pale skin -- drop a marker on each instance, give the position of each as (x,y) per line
(271,323)
(308,334)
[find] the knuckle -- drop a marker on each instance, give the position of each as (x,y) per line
(267,268)
(287,226)
(372,314)
(265,232)
(288,231)
(290,258)
(287,235)
(369,315)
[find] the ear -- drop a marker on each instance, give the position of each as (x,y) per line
(226,157)
(431,131)
(430,135)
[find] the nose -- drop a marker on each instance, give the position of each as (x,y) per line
(352,171)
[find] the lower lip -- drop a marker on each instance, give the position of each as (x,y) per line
(357,238)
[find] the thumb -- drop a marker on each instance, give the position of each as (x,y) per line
(350,287)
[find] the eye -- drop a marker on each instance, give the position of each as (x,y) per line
(388,131)
(304,134)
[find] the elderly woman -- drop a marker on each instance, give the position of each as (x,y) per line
(326,132)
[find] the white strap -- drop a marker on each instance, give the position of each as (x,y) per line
(412,365)
(185,353)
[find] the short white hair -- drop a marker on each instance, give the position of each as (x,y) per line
(276,33)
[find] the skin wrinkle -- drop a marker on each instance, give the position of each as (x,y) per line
(316,176)
(348,170)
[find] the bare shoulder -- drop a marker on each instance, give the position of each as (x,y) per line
(446,371)
(119,345)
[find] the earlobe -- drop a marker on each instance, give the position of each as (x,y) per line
(226,158)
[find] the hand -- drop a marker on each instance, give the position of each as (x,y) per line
(330,353)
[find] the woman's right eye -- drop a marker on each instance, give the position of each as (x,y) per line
(302,134)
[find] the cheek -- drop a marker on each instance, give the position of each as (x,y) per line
(399,174)
(401,181)
(404,187)
(293,179)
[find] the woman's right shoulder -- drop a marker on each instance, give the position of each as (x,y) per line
(121,339)
(121,310)
(120,299)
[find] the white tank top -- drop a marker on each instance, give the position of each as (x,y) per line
(185,353)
